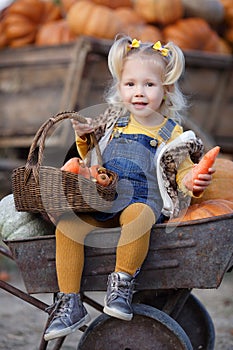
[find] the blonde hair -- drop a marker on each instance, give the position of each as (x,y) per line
(172,68)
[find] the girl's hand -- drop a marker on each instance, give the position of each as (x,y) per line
(200,184)
(82,128)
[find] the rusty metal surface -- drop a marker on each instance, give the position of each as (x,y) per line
(194,255)
(36,261)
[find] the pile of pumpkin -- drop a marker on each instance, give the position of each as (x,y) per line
(194,25)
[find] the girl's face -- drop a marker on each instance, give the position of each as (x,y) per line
(141,89)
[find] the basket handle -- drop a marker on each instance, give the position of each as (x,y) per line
(35,155)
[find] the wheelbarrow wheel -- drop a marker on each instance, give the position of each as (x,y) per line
(149,329)
(193,318)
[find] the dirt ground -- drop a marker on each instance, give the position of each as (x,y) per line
(21,324)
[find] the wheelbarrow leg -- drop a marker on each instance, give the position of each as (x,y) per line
(57,346)
(44,343)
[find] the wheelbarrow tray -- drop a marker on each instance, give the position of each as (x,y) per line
(194,254)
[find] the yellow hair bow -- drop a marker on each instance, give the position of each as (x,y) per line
(135,44)
(158,47)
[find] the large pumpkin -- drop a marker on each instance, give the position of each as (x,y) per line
(128,16)
(159,11)
(194,34)
(23,18)
(144,32)
(54,33)
(222,183)
(87,18)
(210,208)
(20,225)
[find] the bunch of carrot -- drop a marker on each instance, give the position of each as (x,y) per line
(95,173)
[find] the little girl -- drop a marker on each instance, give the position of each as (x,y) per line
(142,121)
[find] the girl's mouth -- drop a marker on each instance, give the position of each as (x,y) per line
(139,105)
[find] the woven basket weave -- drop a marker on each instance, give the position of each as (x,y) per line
(48,190)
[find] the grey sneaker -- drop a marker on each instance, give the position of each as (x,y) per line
(118,300)
(68,315)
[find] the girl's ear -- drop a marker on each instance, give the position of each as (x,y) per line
(168,88)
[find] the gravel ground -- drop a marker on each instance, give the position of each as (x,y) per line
(21,324)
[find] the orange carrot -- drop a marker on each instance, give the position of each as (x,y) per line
(72,165)
(77,166)
(103,179)
(205,163)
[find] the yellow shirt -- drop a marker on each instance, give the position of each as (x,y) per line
(133,127)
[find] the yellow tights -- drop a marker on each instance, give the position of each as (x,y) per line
(135,221)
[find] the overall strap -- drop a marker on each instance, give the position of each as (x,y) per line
(123,121)
(166,131)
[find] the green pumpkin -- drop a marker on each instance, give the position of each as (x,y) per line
(21,225)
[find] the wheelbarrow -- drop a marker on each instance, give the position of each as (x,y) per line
(194,254)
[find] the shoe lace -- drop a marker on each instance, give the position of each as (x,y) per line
(123,289)
(60,307)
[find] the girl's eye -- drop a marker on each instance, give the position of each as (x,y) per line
(129,84)
(149,84)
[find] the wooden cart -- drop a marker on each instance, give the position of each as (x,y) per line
(37,82)
(194,254)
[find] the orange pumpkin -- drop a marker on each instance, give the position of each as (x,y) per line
(228,20)
(51,12)
(66,5)
(54,33)
(193,34)
(135,26)
(114,3)
(205,209)
(3,38)
(23,18)
(144,32)
(222,182)
(128,16)
(229,35)
(87,18)
(159,11)
(228,11)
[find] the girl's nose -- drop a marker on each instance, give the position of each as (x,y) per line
(139,92)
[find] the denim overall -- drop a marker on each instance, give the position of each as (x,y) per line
(132,157)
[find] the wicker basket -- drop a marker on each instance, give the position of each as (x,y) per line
(48,190)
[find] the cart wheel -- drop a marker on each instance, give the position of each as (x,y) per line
(193,318)
(149,329)
(197,323)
